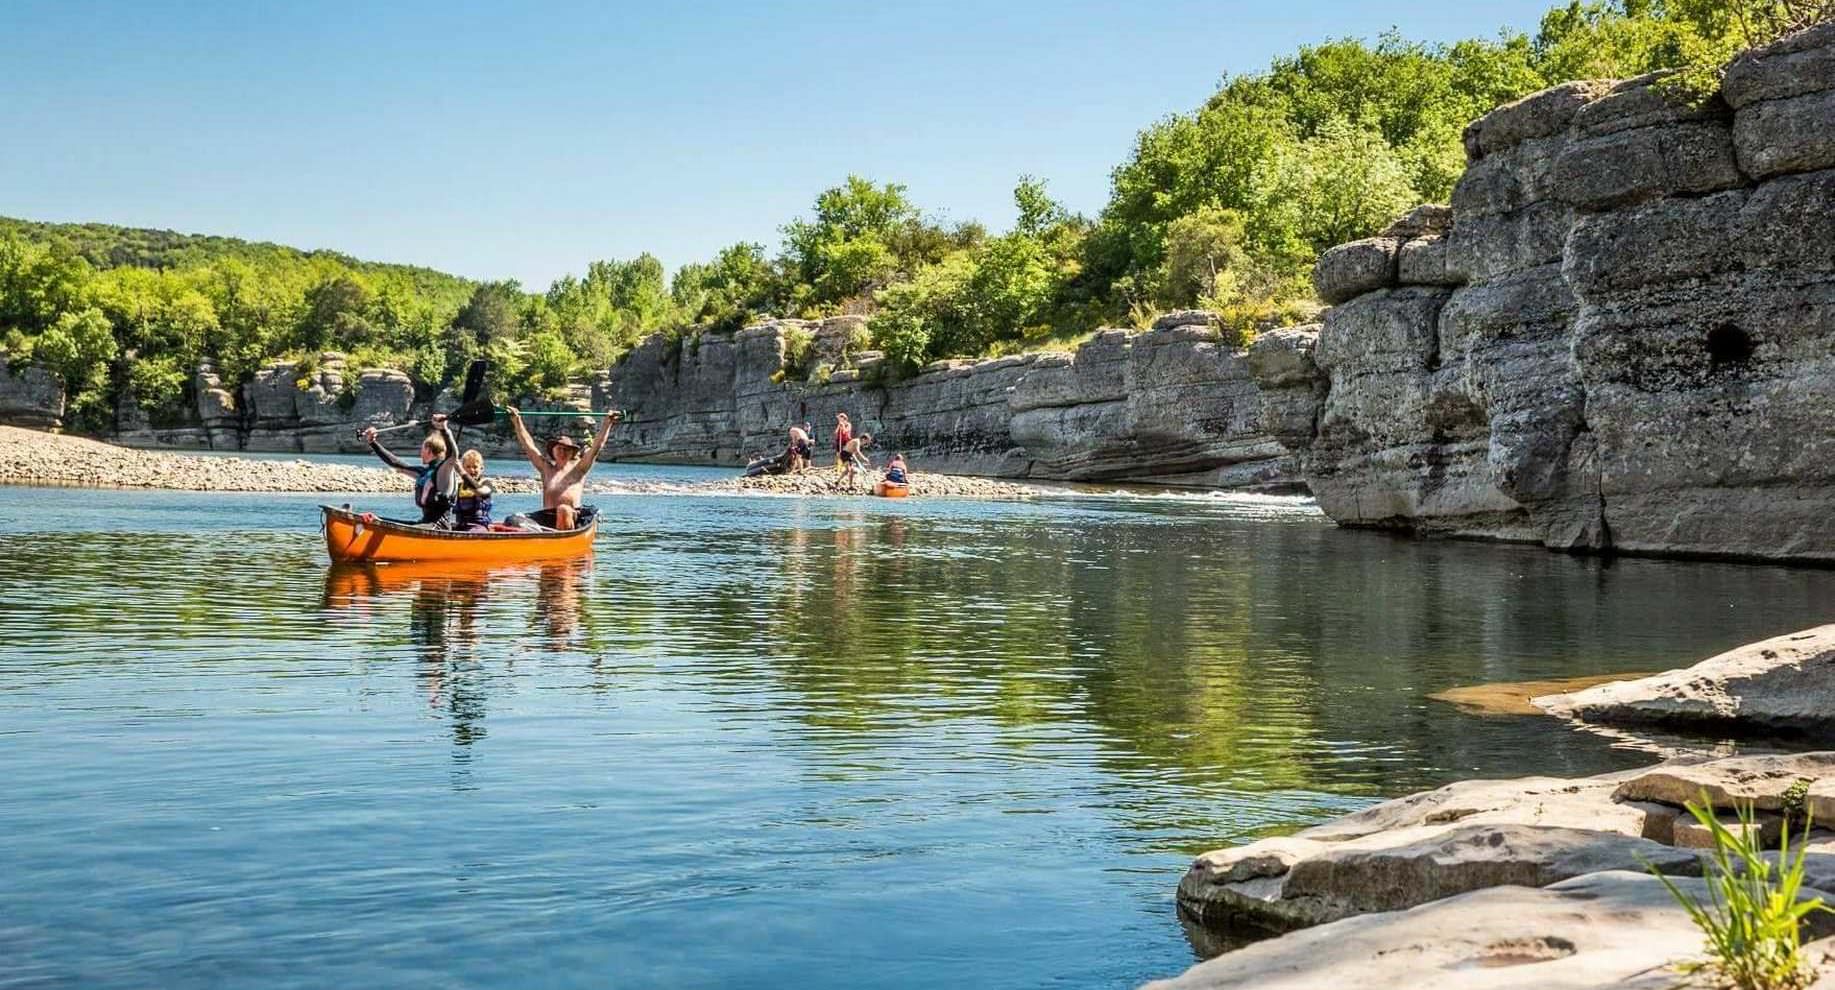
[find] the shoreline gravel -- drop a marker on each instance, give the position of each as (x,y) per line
(31,457)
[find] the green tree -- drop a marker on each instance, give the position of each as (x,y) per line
(1343,184)
(78,348)
(336,311)
(860,236)
(737,286)
(39,284)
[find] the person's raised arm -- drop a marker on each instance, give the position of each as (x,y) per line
(396,463)
(527,442)
(476,481)
(446,475)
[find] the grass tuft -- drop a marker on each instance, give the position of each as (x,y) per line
(1753,912)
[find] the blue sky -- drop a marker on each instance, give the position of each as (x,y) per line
(524,140)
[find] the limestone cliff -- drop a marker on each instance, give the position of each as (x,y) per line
(30,396)
(1622,335)
(1172,405)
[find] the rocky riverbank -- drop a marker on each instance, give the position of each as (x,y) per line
(1534,882)
(1172,405)
(824,481)
(29,457)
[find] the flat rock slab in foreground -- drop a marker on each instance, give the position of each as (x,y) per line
(1391,871)
(1480,834)
(1616,929)
(1785,684)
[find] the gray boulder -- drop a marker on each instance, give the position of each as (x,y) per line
(1349,270)
(1759,781)
(383,396)
(1785,684)
(1534,116)
(30,396)
(1777,137)
(1185,318)
(1427,846)
(1801,63)
(1633,358)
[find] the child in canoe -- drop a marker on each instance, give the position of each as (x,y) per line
(472,507)
(436,479)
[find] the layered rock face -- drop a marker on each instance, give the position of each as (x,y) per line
(283,409)
(1173,405)
(1622,336)
(30,396)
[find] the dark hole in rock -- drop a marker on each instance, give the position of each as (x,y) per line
(1524,951)
(1728,344)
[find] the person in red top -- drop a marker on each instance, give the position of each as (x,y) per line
(844,433)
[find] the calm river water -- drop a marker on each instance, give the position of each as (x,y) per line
(754,743)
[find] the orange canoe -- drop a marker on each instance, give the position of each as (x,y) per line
(349,538)
(891,489)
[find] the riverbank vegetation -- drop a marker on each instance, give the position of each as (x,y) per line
(1225,207)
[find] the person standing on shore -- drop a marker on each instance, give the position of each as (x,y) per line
(436,482)
(562,466)
(844,434)
(854,459)
(802,448)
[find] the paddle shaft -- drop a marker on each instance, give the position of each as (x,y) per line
(391,429)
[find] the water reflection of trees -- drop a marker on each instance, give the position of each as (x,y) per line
(1218,655)
(1182,655)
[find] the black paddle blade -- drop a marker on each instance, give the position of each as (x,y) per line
(474,383)
(478,412)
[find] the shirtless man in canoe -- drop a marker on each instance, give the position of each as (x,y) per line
(562,466)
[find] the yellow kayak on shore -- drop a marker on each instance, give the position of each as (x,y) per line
(352,536)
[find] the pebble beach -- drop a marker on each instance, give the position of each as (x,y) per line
(30,457)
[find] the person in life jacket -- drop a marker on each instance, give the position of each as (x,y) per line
(436,480)
(895,470)
(472,507)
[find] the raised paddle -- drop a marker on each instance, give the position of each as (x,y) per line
(474,389)
(474,384)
